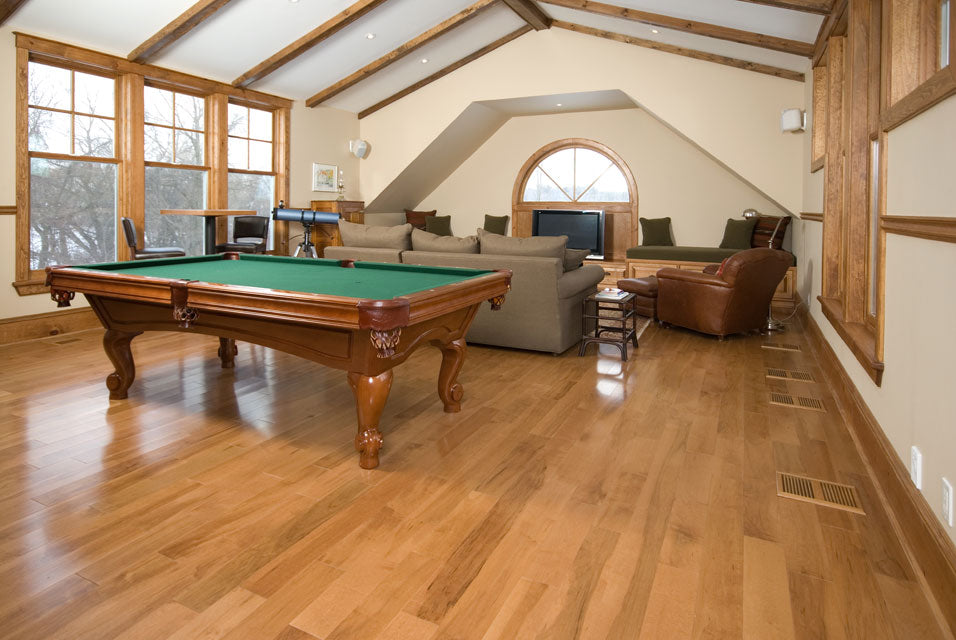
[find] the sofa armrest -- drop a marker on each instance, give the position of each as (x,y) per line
(712,269)
(571,283)
(692,277)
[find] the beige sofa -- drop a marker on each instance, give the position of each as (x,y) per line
(542,312)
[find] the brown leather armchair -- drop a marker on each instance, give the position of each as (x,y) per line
(735,301)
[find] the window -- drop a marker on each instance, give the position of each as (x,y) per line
(576,174)
(174,144)
(251,161)
(71,149)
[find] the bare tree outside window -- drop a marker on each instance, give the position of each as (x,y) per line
(251,172)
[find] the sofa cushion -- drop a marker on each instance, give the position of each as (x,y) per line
(439,225)
(574,282)
(656,232)
(574,258)
(763,231)
(424,241)
(738,233)
(371,236)
(537,246)
(417,218)
(496,224)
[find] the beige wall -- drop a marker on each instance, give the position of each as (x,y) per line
(915,404)
(322,135)
(674,178)
(732,114)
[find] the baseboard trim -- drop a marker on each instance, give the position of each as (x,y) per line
(927,543)
(44,325)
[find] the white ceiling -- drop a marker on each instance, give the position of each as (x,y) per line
(246,32)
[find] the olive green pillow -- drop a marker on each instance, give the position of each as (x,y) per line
(496,224)
(656,232)
(439,225)
(737,233)
(574,258)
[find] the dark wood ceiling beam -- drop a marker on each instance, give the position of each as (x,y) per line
(530,12)
(821,7)
(8,8)
(831,26)
(186,22)
(395,55)
(444,72)
(764,41)
(786,74)
(324,31)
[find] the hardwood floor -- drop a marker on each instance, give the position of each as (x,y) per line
(571,498)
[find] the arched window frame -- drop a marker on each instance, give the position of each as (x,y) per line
(622,224)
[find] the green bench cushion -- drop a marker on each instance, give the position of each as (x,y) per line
(688,254)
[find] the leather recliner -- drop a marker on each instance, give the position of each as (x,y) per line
(733,301)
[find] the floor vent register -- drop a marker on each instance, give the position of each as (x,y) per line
(820,492)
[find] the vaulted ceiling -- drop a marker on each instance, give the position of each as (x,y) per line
(362,55)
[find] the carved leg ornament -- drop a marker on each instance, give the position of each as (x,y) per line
(496,302)
(227,352)
(449,390)
(116,345)
(62,297)
(385,341)
(370,392)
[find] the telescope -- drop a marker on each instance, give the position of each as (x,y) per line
(306,218)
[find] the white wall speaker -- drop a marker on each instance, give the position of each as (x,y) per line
(793,121)
(359,148)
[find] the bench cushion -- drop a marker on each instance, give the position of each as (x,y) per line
(689,254)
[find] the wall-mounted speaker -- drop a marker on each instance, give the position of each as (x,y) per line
(359,148)
(793,121)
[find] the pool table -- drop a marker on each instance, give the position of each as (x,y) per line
(362,317)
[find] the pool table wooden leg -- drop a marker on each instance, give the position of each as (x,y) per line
(116,345)
(449,390)
(227,352)
(370,392)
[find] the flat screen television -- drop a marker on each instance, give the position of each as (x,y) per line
(584,229)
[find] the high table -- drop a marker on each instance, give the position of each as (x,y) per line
(209,217)
(362,317)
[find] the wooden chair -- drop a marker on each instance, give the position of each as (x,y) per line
(249,235)
(129,230)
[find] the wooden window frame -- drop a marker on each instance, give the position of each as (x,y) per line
(131,78)
(879,74)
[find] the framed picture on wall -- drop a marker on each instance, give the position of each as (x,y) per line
(325,177)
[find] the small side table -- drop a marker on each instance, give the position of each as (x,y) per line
(620,321)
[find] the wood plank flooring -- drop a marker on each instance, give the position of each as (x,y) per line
(571,498)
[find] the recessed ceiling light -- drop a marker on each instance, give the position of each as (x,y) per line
(424,60)
(655,31)
(558,105)
(370,35)
(293,1)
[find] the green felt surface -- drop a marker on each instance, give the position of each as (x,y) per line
(369,280)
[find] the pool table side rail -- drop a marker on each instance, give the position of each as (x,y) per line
(307,308)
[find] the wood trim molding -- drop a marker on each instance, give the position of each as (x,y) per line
(761,40)
(786,74)
(829,27)
(530,12)
(925,227)
(57,51)
(460,18)
(44,325)
(183,24)
(289,53)
(8,8)
(860,338)
(444,72)
(818,164)
(912,519)
(937,88)
(812,217)
(8,209)
(809,6)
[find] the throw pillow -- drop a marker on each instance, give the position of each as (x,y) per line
(439,225)
(496,224)
(574,258)
(763,231)
(537,246)
(737,233)
(375,237)
(656,232)
(424,241)
(417,218)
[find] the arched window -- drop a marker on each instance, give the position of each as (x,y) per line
(576,174)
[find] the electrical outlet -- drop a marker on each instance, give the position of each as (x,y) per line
(947,502)
(916,467)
